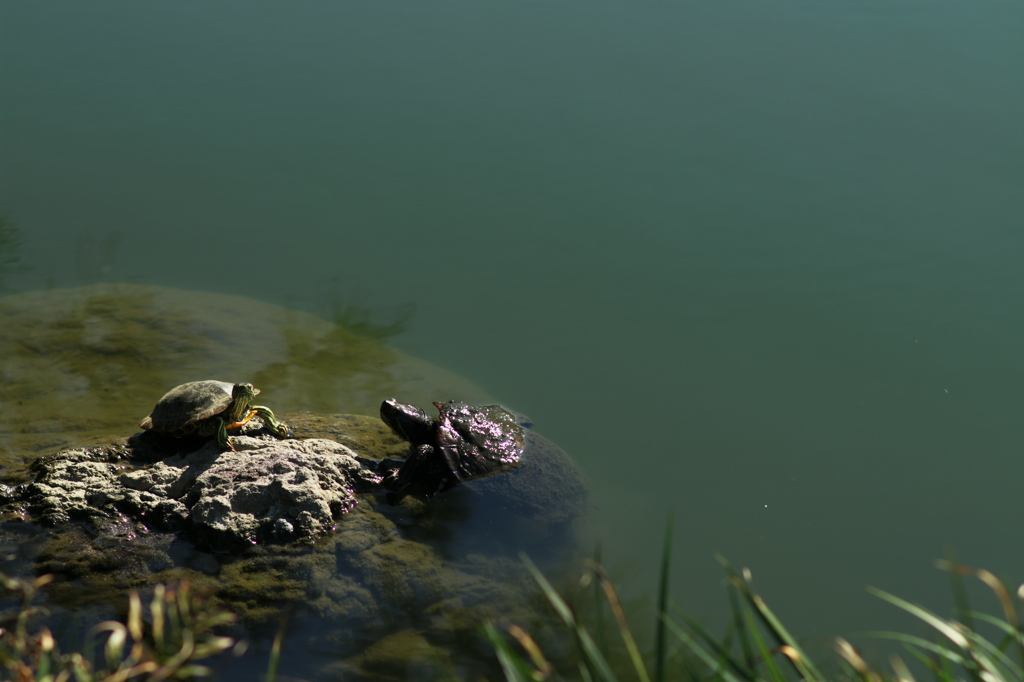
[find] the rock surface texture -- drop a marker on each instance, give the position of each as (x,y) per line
(269,491)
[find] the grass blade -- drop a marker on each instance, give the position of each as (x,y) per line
(767,656)
(512,664)
(738,627)
(996,661)
(947,630)
(956,580)
(275,650)
(590,650)
(620,617)
(1011,632)
(722,671)
(911,641)
(789,647)
(659,632)
(744,671)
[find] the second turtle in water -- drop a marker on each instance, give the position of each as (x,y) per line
(209,408)
(465,442)
(471,443)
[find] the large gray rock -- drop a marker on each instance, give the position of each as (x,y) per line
(268,491)
(283,491)
(276,492)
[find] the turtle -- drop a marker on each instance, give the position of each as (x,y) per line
(466,442)
(490,449)
(209,408)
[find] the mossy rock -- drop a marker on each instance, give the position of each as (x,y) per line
(86,364)
(389,586)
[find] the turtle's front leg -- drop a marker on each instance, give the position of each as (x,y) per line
(279,429)
(222,436)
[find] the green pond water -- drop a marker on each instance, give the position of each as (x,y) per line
(757,265)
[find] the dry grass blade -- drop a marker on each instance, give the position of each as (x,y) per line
(156,608)
(1006,600)
(851,656)
(994,583)
(620,617)
(592,654)
(275,650)
(543,666)
(134,621)
(794,653)
(903,673)
(512,664)
(114,648)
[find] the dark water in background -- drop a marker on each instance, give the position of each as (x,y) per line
(754,263)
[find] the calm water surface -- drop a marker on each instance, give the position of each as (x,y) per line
(754,264)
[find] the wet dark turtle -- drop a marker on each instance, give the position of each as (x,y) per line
(470,444)
(209,408)
(464,443)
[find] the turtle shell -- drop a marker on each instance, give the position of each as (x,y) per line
(477,440)
(188,404)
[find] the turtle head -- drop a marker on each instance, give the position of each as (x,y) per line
(245,392)
(408,421)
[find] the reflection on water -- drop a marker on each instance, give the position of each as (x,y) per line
(95,256)
(10,243)
(375,322)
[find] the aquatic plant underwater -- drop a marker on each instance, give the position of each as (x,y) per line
(177,639)
(168,643)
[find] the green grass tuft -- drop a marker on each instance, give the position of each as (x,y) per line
(758,647)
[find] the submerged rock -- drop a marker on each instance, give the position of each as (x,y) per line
(83,365)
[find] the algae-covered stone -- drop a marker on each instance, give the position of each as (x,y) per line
(405,655)
(82,365)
